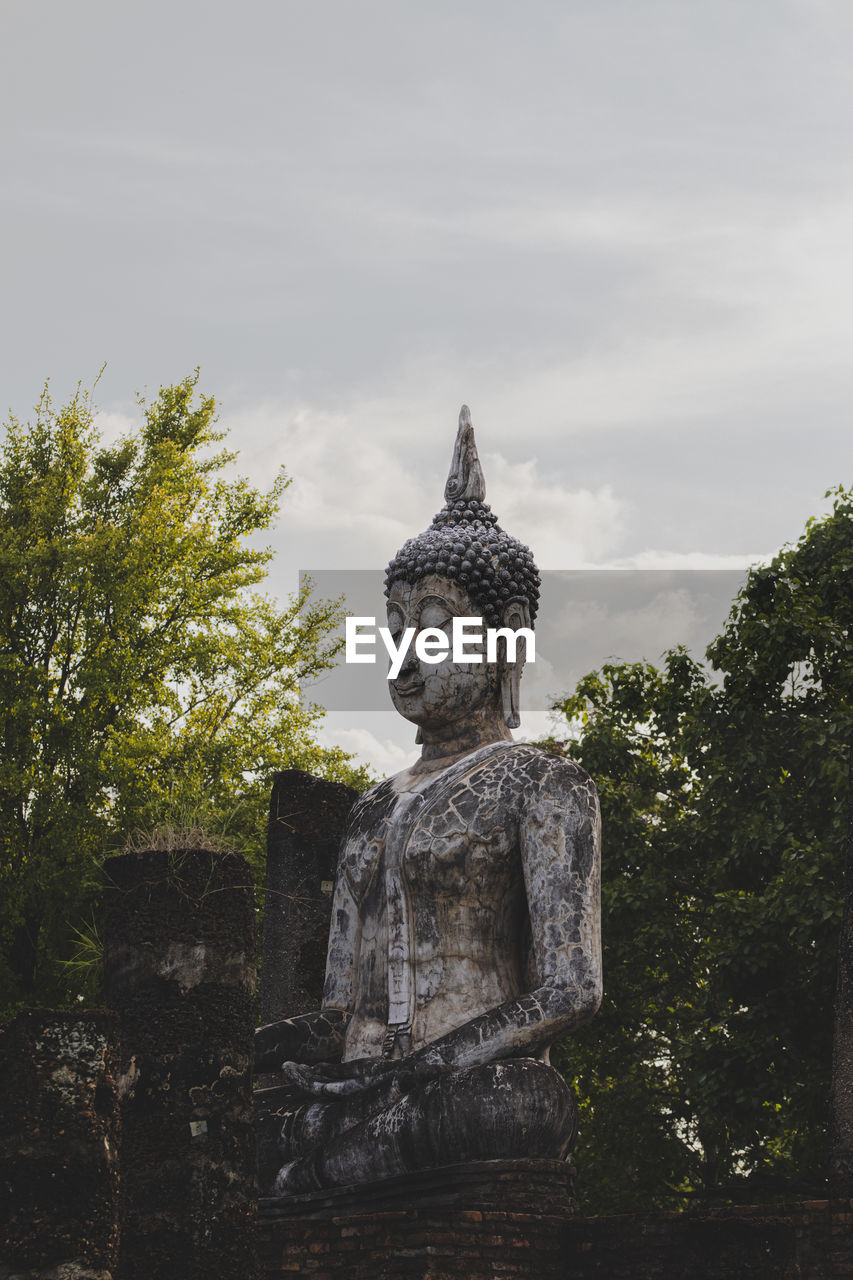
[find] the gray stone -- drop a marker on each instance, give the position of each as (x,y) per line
(59,1144)
(465,920)
(491,1186)
(306,823)
(179,941)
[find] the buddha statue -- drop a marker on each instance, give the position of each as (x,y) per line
(465,919)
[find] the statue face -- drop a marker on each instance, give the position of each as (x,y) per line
(438,693)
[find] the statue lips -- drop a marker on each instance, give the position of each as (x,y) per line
(405,688)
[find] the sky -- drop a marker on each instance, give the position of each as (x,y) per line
(620,230)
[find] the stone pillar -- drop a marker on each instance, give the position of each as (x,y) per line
(306,823)
(179,938)
(59,1133)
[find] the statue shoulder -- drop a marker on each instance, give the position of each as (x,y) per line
(369,806)
(537,773)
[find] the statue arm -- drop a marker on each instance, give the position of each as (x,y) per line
(319,1036)
(306,1037)
(560,841)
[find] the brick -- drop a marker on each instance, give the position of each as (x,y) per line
(59,1202)
(772,1242)
(179,929)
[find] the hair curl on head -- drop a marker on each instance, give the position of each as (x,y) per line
(466,544)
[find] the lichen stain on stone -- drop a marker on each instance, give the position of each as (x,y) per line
(126,1082)
(185,964)
(65,1081)
(80,1060)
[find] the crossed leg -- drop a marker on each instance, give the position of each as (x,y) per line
(518,1108)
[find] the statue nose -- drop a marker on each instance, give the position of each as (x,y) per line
(410,662)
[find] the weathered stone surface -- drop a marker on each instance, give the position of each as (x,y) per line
(306,825)
(273,1103)
(466,544)
(809,1241)
(59,1140)
(415,1244)
(179,971)
(510,1186)
(465,921)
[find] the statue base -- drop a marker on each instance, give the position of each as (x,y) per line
(471,1221)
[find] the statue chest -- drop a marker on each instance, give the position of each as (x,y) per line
(440,896)
(454,844)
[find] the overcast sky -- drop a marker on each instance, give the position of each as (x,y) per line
(619,230)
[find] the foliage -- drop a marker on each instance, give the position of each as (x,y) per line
(706,1074)
(142,679)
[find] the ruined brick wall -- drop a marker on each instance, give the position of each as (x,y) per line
(59,1144)
(811,1241)
(179,938)
(306,823)
(449,1244)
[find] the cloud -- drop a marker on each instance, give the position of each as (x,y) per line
(347,488)
(355,497)
(630,616)
(631,633)
(383,755)
(566,527)
(538,724)
(388,747)
(692,560)
(113,425)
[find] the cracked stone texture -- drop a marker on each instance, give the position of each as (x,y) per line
(465,931)
(464,940)
(498,858)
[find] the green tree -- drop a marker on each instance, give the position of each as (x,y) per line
(141,677)
(724,797)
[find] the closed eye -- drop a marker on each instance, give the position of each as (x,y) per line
(395,624)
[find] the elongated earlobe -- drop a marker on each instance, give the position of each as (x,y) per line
(419,737)
(516,616)
(510,695)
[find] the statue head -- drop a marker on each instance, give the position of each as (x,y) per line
(463,565)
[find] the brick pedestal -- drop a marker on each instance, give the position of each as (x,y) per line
(450,1244)
(466,1222)
(371,1233)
